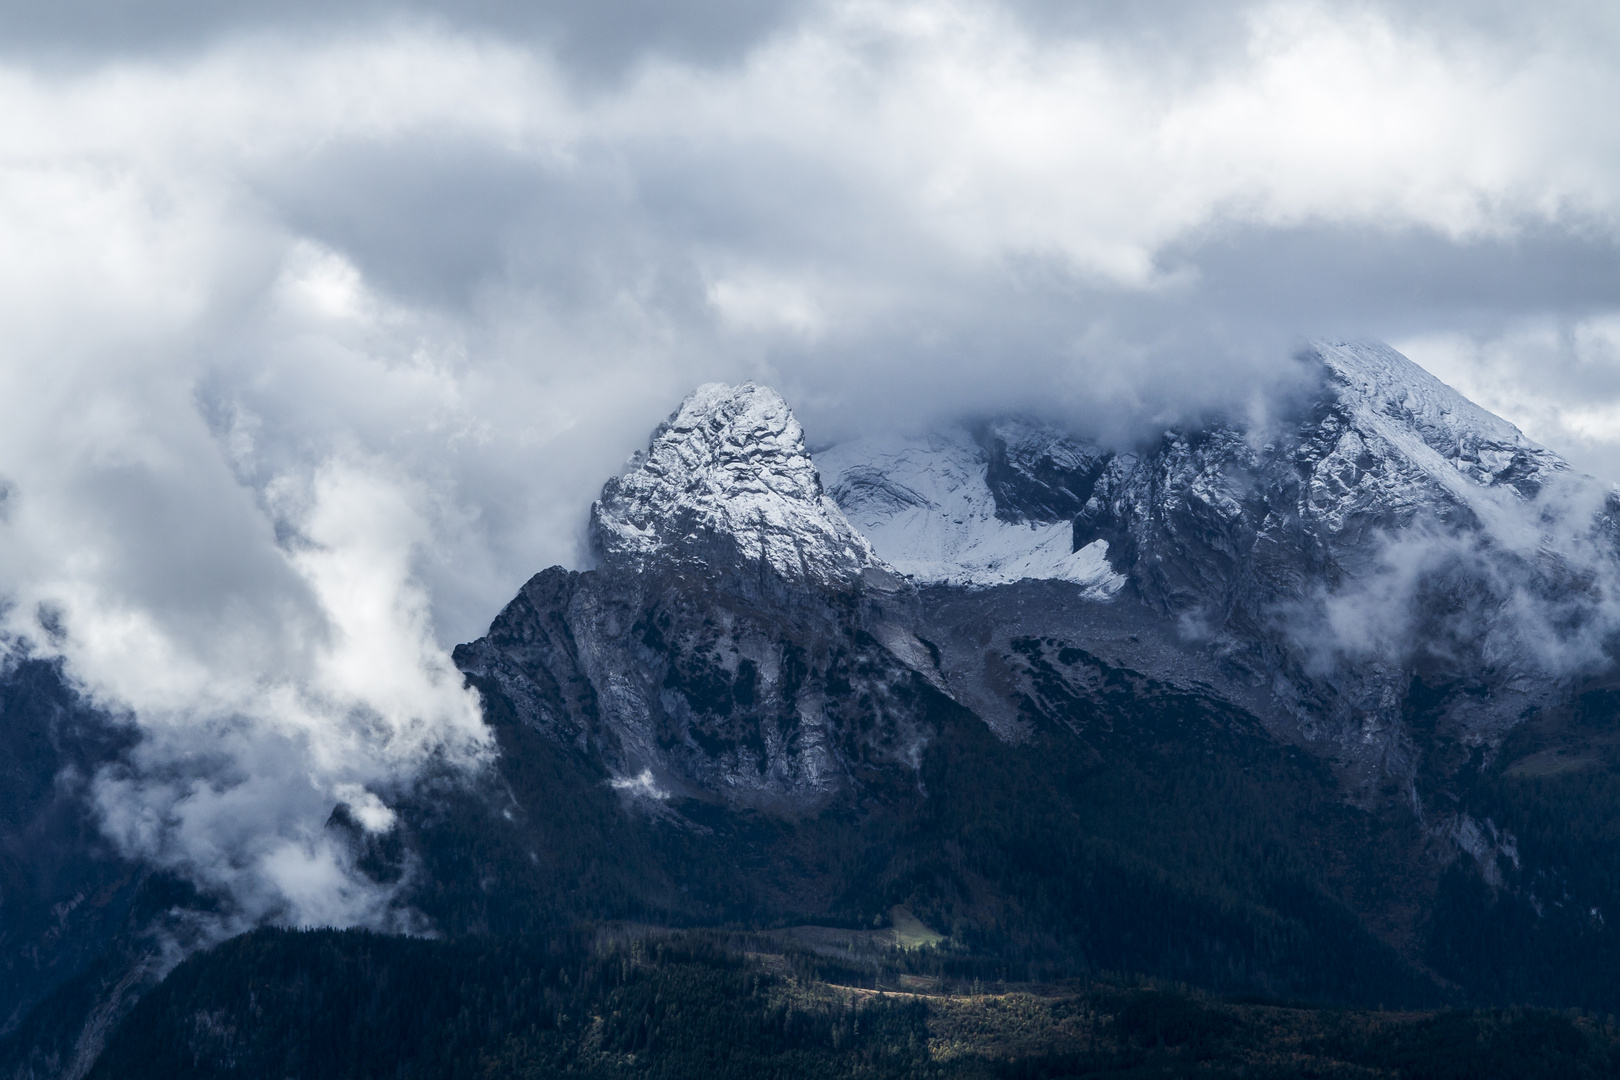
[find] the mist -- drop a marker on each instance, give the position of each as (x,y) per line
(322,329)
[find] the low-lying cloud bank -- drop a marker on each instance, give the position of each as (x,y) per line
(316,343)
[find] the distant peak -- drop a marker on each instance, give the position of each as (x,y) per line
(726,483)
(1388,394)
(1378,377)
(744,408)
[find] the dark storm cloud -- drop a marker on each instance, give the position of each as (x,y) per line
(429,220)
(594,40)
(1388,281)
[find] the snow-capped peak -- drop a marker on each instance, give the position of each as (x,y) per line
(726,482)
(1388,394)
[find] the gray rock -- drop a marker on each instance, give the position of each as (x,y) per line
(739,641)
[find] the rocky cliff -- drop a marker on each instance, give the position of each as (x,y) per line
(1385,541)
(738,639)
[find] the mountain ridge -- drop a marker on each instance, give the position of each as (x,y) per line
(1284,546)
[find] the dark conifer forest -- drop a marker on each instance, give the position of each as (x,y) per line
(326,1005)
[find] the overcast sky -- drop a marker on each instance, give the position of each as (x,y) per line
(322,323)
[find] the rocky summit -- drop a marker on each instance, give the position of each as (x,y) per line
(726,484)
(739,639)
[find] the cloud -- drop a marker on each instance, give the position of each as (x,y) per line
(1557,373)
(597,41)
(264,704)
(321,330)
(1529,597)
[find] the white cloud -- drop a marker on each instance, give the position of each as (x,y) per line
(749,303)
(1557,378)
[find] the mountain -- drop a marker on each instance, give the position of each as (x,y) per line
(79,924)
(1317,704)
(1391,542)
(1324,560)
(1355,612)
(739,638)
(796,731)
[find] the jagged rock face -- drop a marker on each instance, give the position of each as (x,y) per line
(1036,474)
(1379,539)
(688,693)
(740,640)
(1385,448)
(727,484)
(963,510)
(1393,531)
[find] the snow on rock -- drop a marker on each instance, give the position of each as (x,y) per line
(725,482)
(1409,444)
(926,506)
(1402,402)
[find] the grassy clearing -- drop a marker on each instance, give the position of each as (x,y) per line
(910,932)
